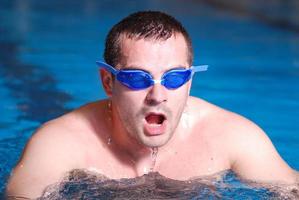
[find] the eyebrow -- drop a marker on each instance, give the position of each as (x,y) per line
(135,67)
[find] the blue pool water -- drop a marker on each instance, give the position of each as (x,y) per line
(47,65)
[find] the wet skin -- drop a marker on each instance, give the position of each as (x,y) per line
(116,140)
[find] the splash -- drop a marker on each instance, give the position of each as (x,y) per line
(82,184)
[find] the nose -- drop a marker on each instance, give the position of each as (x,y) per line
(157,94)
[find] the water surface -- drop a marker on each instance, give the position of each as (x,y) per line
(80,184)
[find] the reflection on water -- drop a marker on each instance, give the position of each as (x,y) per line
(80,184)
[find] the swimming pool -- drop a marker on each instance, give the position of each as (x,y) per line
(48,52)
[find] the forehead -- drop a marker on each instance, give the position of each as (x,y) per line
(162,54)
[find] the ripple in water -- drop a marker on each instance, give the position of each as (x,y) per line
(83,184)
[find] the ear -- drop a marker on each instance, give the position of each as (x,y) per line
(107,81)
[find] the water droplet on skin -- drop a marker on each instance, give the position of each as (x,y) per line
(186,119)
(109,141)
(109,110)
(154,158)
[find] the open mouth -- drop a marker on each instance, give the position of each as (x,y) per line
(155,124)
(153,118)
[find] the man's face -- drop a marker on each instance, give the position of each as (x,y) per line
(151,115)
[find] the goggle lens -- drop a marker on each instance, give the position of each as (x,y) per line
(136,79)
(176,78)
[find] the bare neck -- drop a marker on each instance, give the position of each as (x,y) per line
(137,154)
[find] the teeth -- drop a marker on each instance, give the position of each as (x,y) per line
(155,125)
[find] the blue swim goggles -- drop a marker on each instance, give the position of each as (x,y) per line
(137,79)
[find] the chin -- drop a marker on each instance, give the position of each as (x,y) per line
(154,141)
(153,145)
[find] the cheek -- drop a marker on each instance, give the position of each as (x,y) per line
(126,100)
(180,95)
(178,100)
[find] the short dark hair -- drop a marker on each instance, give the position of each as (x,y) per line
(153,25)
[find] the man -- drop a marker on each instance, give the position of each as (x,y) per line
(148,110)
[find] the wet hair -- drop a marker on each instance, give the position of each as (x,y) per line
(149,25)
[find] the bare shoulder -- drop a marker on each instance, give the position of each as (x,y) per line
(229,124)
(215,117)
(54,149)
(251,152)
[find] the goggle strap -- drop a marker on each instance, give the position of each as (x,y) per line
(107,67)
(199,68)
(156,81)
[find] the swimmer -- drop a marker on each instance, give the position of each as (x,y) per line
(149,121)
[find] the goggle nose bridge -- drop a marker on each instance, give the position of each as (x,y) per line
(155,81)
